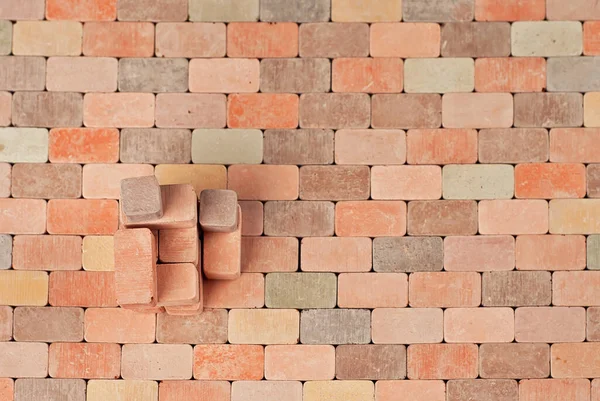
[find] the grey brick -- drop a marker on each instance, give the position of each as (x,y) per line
(18,73)
(156,146)
(438,10)
(5,251)
(335,326)
(408,254)
(153,75)
(295,10)
(516,288)
(299,219)
(223,10)
(50,390)
(300,290)
(298,146)
(295,75)
(593,252)
(574,74)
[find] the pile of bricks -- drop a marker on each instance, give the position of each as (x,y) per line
(160,223)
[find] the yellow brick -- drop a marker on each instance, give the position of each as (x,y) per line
(47,38)
(98,253)
(264,326)
(200,176)
(575,216)
(122,390)
(23,288)
(347,390)
(591,109)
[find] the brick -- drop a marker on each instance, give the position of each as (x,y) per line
(50,389)
(425,75)
(477,110)
(190,110)
(593,252)
(420,110)
(265,391)
(509,74)
(575,145)
(552,252)
(549,110)
(224,75)
(334,40)
(5,109)
(300,290)
(444,217)
(174,390)
(591,38)
(334,182)
(554,389)
(407,254)
(179,245)
(438,10)
(118,110)
(224,10)
(575,360)
(350,390)
(264,255)
(86,10)
(552,324)
(157,146)
(6,28)
(489,390)
(252,217)
(7,389)
(476,39)
(593,324)
(24,359)
(403,182)
(177,284)
(335,326)
(478,182)
(135,267)
(379,362)
(442,361)
(295,75)
(546,38)
(23,288)
(208,327)
(506,217)
(24,145)
(513,145)
(516,288)
(300,362)
(248,291)
(385,290)
(262,110)
(479,253)
(335,110)
(591,109)
(181,39)
(574,216)
(407,326)
(48,324)
(264,326)
(370,218)
(6,324)
(118,39)
(410,390)
(298,219)
(369,11)
(46,181)
(157,361)
(595,390)
(153,75)
(82,216)
(406,40)
(102,181)
(23,216)
(82,74)
(298,146)
(343,254)
(479,325)
(575,288)
(141,199)
(575,74)
(441,146)
(46,252)
(369,75)
(444,295)
(576,10)
(23,10)
(83,289)
(228,362)
(19,73)
(5,251)
(514,361)
(227,146)
(218,244)
(308,11)
(84,145)
(47,38)
(370,147)
(98,390)
(147,10)
(82,360)
(512,10)
(47,109)
(262,40)
(116,325)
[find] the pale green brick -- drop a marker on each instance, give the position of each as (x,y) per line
(478,181)
(546,38)
(300,290)
(23,145)
(224,10)
(5,37)
(227,146)
(593,252)
(439,75)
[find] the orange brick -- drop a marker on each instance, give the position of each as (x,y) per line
(102,181)
(24,360)
(248,291)
(262,39)
(183,39)
(554,389)
(82,216)
(479,253)
(406,40)
(575,360)
(576,288)
(575,216)
(46,252)
(550,180)
(82,288)
(510,10)
(135,267)
(442,361)
(264,182)
(552,325)
(262,110)
(26,288)
(200,390)
(222,253)
(83,360)
(551,252)
(410,390)
(83,145)
(370,147)
(507,217)
(177,284)
(200,177)
(224,75)
(372,290)
(228,362)
(190,110)
(81,10)
(6,389)
(118,110)
(527,74)
(438,289)
(574,145)
(441,146)
(178,245)
(116,325)
(23,216)
(406,182)
(252,217)
(370,218)
(479,325)
(367,75)
(591,38)
(269,254)
(299,362)
(333,254)
(118,39)
(157,362)
(477,110)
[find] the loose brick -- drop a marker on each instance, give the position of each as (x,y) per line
(47,38)
(444,296)
(552,325)
(593,252)
(338,390)
(24,359)
(310,362)
(441,146)
(46,181)
(98,390)
(187,110)
(5,251)
(513,145)
(264,326)
(478,110)
(262,110)
(118,39)
(334,40)
(6,28)
(50,389)
(224,10)
(479,253)
(116,325)
(576,10)
(265,391)
(248,291)
(492,390)
(178,284)
(385,290)
(23,216)
(575,288)
(575,360)
(102,181)
(506,217)
(23,288)
(479,325)
(478,182)
(86,10)
(82,216)
(410,390)
(438,10)
(420,111)
(593,324)
(18,73)
(298,146)
(262,40)
(369,11)
(300,290)
(551,252)
(439,75)
(407,326)
(295,75)
(264,255)
(516,288)
(351,254)
(228,362)
(554,389)
(23,10)
(83,360)
(82,74)
(208,327)
(375,362)
(511,10)
(591,38)
(141,199)
(24,145)
(47,109)
(84,145)
(264,182)
(252,217)
(476,39)
(153,75)
(181,39)
(225,75)
(298,219)
(574,216)
(45,252)
(157,361)
(83,289)
(370,218)
(334,182)
(118,110)
(442,361)
(546,38)
(370,75)
(444,217)
(548,110)
(575,74)
(514,361)
(157,146)
(335,326)
(404,182)
(407,254)
(48,324)
(406,40)
(370,147)
(335,110)
(510,74)
(5,109)
(308,11)
(179,245)
(151,10)
(591,109)
(575,145)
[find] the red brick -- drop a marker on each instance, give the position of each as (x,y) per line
(370,147)
(200,390)
(510,74)
(350,254)
(370,219)
(248,291)
(190,110)
(262,110)
(265,255)
(510,10)
(506,217)
(177,284)
(116,325)
(228,362)
(369,75)
(410,390)
(262,39)
(575,360)
(513,145)
(252,217)
(591,38)
(334,182)
(438,289)
(82,360)
(514,361)
(406,40)
(299,219)
(82,216)
(224,75)
(551,252)
(32,180)
(335,110)
(479,325)
(81,10)
(576,288)
(442,361)
(222,253)
(419,110)
(550,180)
(82,288)
(333,40)
(406,182)
(372,290)
(441,146)
(574,145)
(552,325)
(103,181)
(300,362)
(479,253)
(118,110)
(118,39)
(153,10)
(83,145)
(443,217)
(554,389)
(46,252)
(23,216)
(263,182)
(184,39)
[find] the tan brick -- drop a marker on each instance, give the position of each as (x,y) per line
(442,361)
(302,219)
(224,10)
(334,40)
(224,75)
(478,182)
(593,324)
(373,362)
(156,146)
(489,390)
(153,75)
(550,325)
(300,290)
(157,361)
(439,75)
(407,325)
(335,326)
(83,360)
(48,324)
(476,39)
(370,147)
(574,216)
(5,180)
(368,11)
(479,325)
(181,39)
(513,145)
(591,109)
(334,182)
(264,326)
(295,75)
(47,109)
(506,216)
(298,146)
(208,327)
(575,360)
(338,390)
(335,110)
(5,108)
(152,10)
(24,359)
(46,181)
(546,38)
(443,217)
(18,73)
(444,295)
(407,254)
(265,391)
(478,110)
(23,288)
(190,110)
(24,145)
(419,111)
(99,390)
(50,389)
(98,253)
(548,110)
(6,28)
(227,146)
(45,252)
(514,361)
(264,255)
(47,38)
(410,390)
(516,288)
(310,362)
(82,74)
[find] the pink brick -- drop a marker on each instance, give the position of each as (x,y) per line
(46,252)
(5,179)
(410,390)
(407,325)
(22,10)
(372,290)
(551,252)
(252,217)
(550,325)
(6,389)
(479,325)
(185,39)
(224,75)
(23,216)
(336,254)
(179,245)
(438,289)
(117,325)
(554,389)
(157,362)
(81,74)
(574,145)
(248,291)
(479,253)
(507,217)
(23,360)
(370,219)
(477,110)
(575,360)
(442,361)
(370,147)
(187,110)
(103,181)
(441,146)
(118,110)
(576,288)
(269,254)
(5,108)
(83,360)
(406,182)
(262,40)
(264,182)
(299,362)
(177,390)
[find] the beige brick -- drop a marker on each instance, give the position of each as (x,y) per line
(102,390)
(5,37)
(23,359)
(266,391)
(157,361)
(153,75)
(591,109)
(575,216)
(478,181)
(366,11)
(47,38)
(573,74)
(82,74)
(298,11)
(300,290)
(23,288)
(223,10)
(547,38)
(208,327)
(5,250)
(227,146)
(264,326)
(18,73)
(339,390)
(439,75)
(152,10)
(98,253)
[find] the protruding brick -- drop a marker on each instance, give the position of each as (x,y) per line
(369,11)
(153,75)
(265,391)
(299,219)
(370,218)
(443,217)
(141,199)
(45,252)
(265,255)
(546,38)
(406,40)
(407,254)
(118,110)
(334,40)
(18,73)
(477,110)
(479,325)
(442,361)
(338,390)
(47,109)
(575,145)
(24,359)
(24,216)
(574,216)
(295,75)
(513,145)
(575,288)
(23,288)
(224,10)
(152,10)
(310,362)
(23,10)
(50,389)
(575,74)
(335,326)
(514,361)
(334,182)
(335,110)
(264,326)
(552,325)
(441,146)
(548,110)
(222,253)
(228,362)
(84,145)
(116,325)
(48,324)
(83,360)
(506,217)
(370,75)
(438,10)
(370,147)
(554,389)
(489,390)
(439,75)
(476,39)
(262,40)
(262,110)
(407,325)
(82,216)
(575,360)
(591,41)
(47,38)
(510,74)
(336,254)
(298,146)
(252,217)
(101,181)
(182,39)
(6,242)
(374,362)
(445,284)
(478,182)
(81,288)
(510,10)
(118,39)
(177,284)
(157,362)
(46,181)
(86,10)
(99,390)
(300,290)
(551,252)
(179,245)
(248,291)
(24,145)
(516,288)
(372,290)
(479,253)
(410,390)
(82,74)
(208,327)
(420,111)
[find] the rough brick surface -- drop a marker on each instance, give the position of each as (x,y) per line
(438,10)
(476,39)
(85,74)
(334,40)
(451,217)
(520,145)
(442,361)
(305,219)
(509,361)
(48,324)
(444,294)
(335,110)
(228,362)
(157,361)
(405,40)
(46,181)
(546,38)
(422,111)
(47,38)
(407,254)
(42,252)
(335,326)
(88,361)
(67,389)
(441,146)
(84,145)
(548,110)
(118,39)
(510,74)
(47,109)
(516,288)
(389,290)
(407,325)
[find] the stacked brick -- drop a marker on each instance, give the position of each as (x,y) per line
(419,182)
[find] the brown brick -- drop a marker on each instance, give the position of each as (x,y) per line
(514,361)
(6,323)
(48,324)
(370,362)
(548,110)
(301,11)
(334,182)
(482,390)
(299,219)
(438,10)
(476,39)
(209,327)
(407,111)
(298,146)
(593,180)
(252,217)
(153,74)
(334,40)
(18,73)
(593,324)
(152,10)
(335,110)
(156,146)
(370,147)
(264,254)
(46,181)
(516,288)
(218,210)
(295,75)
(513,145)
(335,326)
(47,109)
(50,389)
(443,217)
(408,254)
(141,199)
